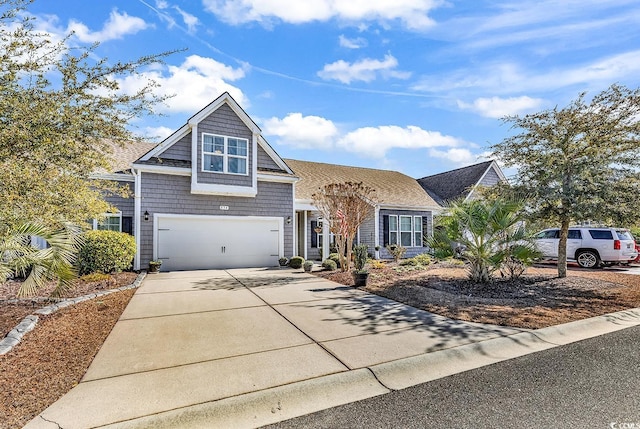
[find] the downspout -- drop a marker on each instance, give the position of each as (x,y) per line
(376,229)
(137,204)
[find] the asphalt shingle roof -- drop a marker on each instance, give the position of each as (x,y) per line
(451,185)
(392,188)
(122,157)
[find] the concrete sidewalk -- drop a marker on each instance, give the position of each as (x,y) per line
(244,348)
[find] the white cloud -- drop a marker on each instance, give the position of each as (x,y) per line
(189,20)
(355,43)
(195,83)
(365,70)
(374,142)
(509,78)
(117,26)
(496,107)
(458,156)
(157,133)
(162,4)
(413,14)
(303,132)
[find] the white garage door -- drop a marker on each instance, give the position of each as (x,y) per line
(209,242)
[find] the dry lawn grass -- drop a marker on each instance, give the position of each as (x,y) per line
(538,299)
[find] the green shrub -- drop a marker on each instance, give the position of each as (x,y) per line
(296,262)
(308,266)
(423,259)
(396,251)
(360,256)
(335,257)
(106,252)
(409,262)
(329,265)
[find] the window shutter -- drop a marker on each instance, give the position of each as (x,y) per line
(127,224)
(314,235)
(385,230)
(425,231)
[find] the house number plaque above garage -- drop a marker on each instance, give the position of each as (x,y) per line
(224,207)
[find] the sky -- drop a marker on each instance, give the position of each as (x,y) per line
(417,86)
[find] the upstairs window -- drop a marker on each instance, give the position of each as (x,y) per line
(222,154)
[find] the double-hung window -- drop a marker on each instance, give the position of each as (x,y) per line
(111,222)
(222,154)
(405,230)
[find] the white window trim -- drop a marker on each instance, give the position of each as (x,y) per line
(319,241)
(225,155)
(399,231)
(106,215)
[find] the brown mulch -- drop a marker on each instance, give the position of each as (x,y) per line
(52,358)
(538,299)
(12,313)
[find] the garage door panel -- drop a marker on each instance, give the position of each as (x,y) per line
(189,243)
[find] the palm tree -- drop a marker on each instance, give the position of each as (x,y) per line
(490,232)
(40,266)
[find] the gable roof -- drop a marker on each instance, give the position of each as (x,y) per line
(392,188)
(224,98)
(454,184)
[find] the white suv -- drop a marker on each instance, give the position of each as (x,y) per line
(591,247)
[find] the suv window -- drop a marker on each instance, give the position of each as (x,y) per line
(552,233)
(601,234)
(574,234)
(623,234)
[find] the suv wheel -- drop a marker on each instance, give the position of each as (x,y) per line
(588,259)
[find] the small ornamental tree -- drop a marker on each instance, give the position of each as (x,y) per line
(577,163)
(345,206)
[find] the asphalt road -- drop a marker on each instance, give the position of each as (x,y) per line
(593,383)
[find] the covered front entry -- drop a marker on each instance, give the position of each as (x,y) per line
(185,242)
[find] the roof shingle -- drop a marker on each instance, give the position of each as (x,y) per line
(451,185)
(392,188)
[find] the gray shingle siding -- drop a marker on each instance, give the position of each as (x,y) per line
(411,251)
(491,178)
(171,195)
(180,150)
(224,122)
(265,161)
(125,205)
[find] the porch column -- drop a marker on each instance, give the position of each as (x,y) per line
(326,239)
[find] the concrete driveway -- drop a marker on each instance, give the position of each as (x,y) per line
(247,347)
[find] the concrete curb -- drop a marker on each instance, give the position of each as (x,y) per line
(411,371)
(27,324)
(267,406)
(308,396)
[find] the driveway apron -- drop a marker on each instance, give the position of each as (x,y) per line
(247,347)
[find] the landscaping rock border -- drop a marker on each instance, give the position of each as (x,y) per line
(29,323)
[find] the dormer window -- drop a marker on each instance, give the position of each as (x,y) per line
(223,154)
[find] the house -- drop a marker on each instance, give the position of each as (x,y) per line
(403,213)
(214,194)
(462,183)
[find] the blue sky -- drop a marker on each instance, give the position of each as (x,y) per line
(417,86)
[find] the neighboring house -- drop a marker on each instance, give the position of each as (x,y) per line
(214,194)
(403,214)
(462,183)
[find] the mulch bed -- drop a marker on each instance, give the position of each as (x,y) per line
(538,299)
(53,358)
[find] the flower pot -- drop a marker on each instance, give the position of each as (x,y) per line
(360,279)
(154,268)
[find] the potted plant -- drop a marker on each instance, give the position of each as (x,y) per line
(360,274)
(308,266)
(154,266)
(283,261)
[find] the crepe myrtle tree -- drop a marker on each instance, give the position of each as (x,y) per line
(345,206)
(61,110)
(577,163)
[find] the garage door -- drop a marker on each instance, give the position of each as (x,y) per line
(208,242)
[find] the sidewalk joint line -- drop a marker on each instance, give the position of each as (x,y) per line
(291,323)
